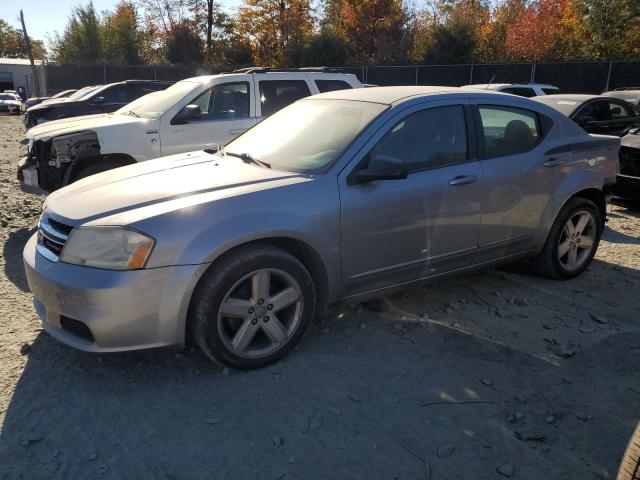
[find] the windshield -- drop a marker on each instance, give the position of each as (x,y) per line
(64,93)
(82,92)
(153,105)
(306,136)
(7,96)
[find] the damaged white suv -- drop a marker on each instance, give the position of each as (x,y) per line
(193,114)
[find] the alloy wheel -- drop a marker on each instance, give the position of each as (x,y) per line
(260,313)
(577,240)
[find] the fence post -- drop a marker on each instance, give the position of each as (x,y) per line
(416,74)
(155,72)
(533,73)
(104,73)
(471,75)
(606,87)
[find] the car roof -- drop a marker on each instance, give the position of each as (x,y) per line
(316,74)
(573,97)
(493,86)
(389,95)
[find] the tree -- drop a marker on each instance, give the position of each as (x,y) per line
(120,36)
(276,29)
(611,28)
(80,41)
(375,30)
(325,49)
(544,30)
(492,34)
(12,43)
(184,45)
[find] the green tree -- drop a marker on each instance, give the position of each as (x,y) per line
(325,49)
(611,27)
(183,45)
(80,41)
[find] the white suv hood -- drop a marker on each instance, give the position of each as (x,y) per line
(54,128)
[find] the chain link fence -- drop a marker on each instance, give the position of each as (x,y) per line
(574,77)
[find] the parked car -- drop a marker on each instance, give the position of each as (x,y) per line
(38,100)
(596,113)
(610,116)
(197,113)
(631,95)
(105,99)
(342,195)
(521,89)
(628,182)
(10,103)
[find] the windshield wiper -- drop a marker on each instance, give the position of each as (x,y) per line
(247,158)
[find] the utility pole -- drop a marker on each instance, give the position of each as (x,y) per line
(27,42)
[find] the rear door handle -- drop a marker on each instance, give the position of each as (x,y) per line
(463,180)
(554,162)
(237,131)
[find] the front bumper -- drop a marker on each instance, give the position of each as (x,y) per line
(124,310)
(628,187)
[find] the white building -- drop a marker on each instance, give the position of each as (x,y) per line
(17,72)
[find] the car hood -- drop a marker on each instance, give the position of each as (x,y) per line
(161,185)
(47,130)
(9,102)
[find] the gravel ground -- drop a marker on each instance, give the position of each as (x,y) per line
(496,375)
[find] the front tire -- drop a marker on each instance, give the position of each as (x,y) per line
(251,308)
(573,240)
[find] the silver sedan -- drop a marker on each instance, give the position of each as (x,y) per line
(343,195)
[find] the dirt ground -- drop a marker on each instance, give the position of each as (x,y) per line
(496,375)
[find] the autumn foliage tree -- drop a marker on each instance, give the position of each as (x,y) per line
(544,30)
(277,30)
(375,31)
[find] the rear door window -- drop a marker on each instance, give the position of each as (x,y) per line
(620,111)
(277,94)
(508,130)
(332,85)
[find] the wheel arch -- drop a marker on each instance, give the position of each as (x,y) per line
(299,249)
(120,159)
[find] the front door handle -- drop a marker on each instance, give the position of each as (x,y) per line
(463,180)
(237,131)
(554,162)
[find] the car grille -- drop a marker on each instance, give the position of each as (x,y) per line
(52,235)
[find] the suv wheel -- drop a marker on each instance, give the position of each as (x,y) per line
(573,240)
(253,307)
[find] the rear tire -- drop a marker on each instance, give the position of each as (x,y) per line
(572,242)
(252,307)
(630,464)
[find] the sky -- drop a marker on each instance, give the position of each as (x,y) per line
(46,16)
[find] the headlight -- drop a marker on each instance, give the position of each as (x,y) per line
(111,248)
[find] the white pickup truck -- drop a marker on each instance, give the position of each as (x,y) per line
(193,114)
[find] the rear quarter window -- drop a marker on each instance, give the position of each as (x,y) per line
(507,131)
(331,85)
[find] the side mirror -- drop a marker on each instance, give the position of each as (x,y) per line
(98,100)
(188,114)
(587,121)
(381,167)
